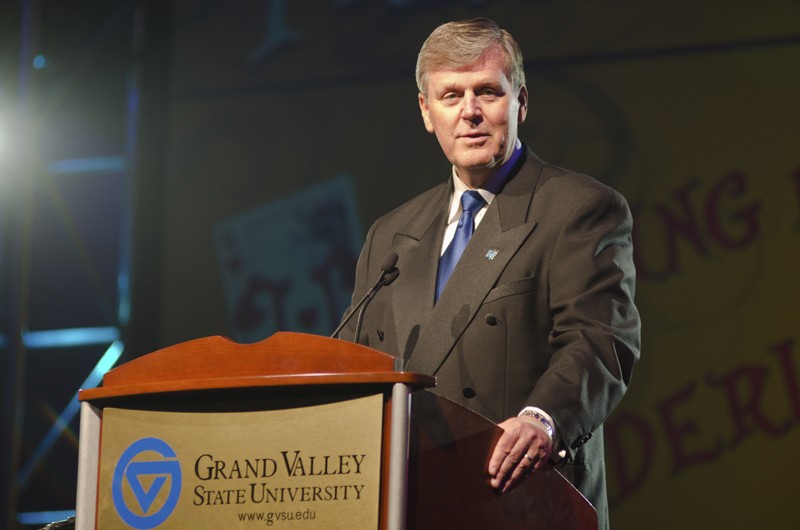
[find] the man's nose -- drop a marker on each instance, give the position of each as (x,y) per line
(471,108)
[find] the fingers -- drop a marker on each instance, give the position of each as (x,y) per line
(526,465)
(501,453)
(519,452)
(515,466)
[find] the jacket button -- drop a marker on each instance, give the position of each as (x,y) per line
(468,392)
(491,319)
(581,440)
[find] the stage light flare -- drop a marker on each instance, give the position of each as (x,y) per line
(5,139)
(2,136)
(8,144)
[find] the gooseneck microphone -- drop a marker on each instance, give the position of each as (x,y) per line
(389,273)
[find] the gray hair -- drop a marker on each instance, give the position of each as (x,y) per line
(457,44)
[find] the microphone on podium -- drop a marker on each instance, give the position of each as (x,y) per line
(389,273)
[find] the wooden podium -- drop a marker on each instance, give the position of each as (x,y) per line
(430,462)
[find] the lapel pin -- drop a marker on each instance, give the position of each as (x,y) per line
(491,254)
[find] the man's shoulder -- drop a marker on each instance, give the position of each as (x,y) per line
(563,184)
(424,205)
(423,199)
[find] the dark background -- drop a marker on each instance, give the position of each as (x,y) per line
(162,165)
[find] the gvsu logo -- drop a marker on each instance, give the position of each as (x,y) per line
(150,481)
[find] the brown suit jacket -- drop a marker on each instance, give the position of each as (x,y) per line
(539,310)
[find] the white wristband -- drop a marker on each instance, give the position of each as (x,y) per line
(542,417)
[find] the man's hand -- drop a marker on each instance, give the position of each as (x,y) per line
(523,448)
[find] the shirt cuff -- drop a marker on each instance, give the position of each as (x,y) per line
(543,418)
(549,425)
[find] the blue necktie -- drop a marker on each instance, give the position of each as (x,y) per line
(471,202)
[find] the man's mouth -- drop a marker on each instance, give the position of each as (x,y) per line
(473,136)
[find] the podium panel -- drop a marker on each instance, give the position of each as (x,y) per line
(314,467)
(450,447)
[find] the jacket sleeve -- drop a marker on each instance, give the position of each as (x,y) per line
(595,332)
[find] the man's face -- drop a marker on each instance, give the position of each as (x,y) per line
(474,113)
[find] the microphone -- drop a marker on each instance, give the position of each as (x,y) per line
(389,273)
(389,276)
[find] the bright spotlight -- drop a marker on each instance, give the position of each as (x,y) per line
(5,146)
(9,143)
(7,139)
(3,141)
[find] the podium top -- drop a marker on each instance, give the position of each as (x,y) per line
(284,359)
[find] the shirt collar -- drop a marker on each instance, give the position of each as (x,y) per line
(489,189)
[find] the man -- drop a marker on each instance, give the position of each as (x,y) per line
(536,326)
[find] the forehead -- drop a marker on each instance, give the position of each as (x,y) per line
(490,68)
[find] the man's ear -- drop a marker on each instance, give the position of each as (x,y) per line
(522,97)
(426,112)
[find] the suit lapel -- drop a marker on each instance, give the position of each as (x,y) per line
(484,259)
(417,248)
(504,228)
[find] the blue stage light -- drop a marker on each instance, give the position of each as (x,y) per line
(87,165)
(39,62)
(44,518)
(65,338)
